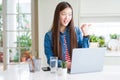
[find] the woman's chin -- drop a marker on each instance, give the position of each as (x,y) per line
(65,24)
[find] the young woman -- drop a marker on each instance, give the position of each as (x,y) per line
(63,36)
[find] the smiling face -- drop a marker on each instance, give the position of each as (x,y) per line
(65,16)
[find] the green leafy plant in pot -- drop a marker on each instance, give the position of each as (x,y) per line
(63,64)
(94,41)
(97,41)
(102,41)
(63,69)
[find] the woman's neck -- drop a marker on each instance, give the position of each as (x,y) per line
(62,29)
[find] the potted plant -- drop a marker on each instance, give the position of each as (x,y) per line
(63,69)
(63,64)
(101,41)
(113,43)
(113,36)
(97,41)
(94,41)
(24,39)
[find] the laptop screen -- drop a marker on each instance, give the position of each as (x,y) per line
(86,60)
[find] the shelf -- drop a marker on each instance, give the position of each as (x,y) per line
(112,53)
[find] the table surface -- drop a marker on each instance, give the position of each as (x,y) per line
(21,72)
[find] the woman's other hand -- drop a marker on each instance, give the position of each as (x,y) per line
(85,28)
(68,65)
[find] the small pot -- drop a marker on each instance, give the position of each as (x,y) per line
(62,71)
(94,44)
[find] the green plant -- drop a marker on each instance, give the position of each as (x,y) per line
(94,38)
(63,64)
(113,36)
(99,39)
(24,40)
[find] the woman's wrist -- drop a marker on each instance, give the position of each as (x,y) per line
(86,36)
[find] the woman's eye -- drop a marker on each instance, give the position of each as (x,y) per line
(70,14)
(67,14)
(64,14)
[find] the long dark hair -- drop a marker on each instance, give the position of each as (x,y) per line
(57,50)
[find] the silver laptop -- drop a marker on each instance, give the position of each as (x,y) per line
(85,60)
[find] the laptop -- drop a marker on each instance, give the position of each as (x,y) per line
(85,60)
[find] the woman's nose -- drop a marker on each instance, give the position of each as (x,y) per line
(67,17)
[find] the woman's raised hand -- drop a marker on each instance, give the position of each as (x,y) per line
(85,28)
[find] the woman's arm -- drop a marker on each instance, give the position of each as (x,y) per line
(85,30)
(48,47)
(83,41)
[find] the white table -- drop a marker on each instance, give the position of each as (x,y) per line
(21,72)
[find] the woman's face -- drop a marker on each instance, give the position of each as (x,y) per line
(65,16)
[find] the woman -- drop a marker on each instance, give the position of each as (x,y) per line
(63,36)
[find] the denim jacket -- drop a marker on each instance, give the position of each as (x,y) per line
(83,42)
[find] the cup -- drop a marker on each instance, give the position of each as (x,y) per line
(53,64)
(31,65)
(37,64)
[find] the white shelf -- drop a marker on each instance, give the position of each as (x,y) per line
(112,53)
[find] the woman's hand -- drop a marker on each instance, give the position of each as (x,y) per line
(84,29)
(68,64)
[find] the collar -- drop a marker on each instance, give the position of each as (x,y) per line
(66,30)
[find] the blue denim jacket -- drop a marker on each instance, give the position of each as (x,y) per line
(83,42)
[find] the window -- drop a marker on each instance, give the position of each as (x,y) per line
(17,32)
(1,37)
(105,29)
(1,26)
(18,28)
(110,32)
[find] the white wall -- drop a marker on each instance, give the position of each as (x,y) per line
(45,20)
(99,7)
(99,11)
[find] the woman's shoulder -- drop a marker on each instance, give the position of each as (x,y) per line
(49,33)
(77,29)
